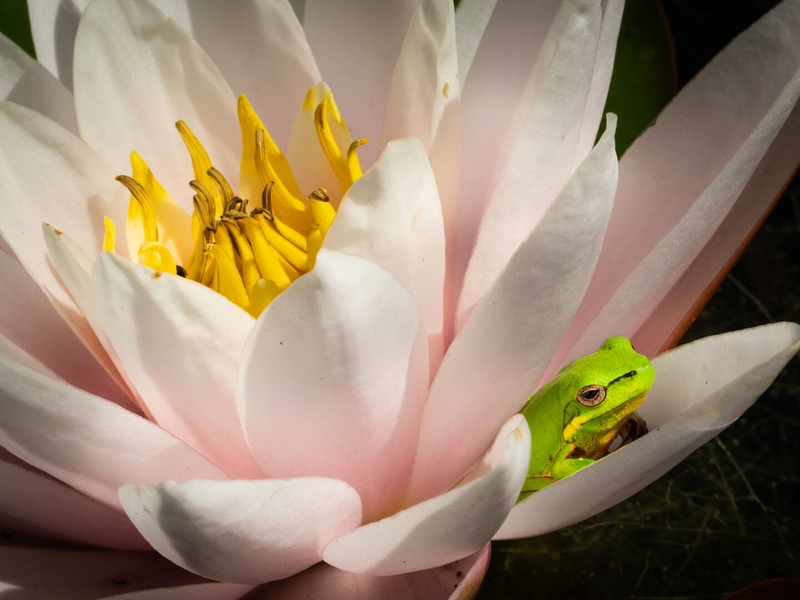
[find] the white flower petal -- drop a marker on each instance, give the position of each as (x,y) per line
(70,187)
(28,320)
(472,18)
(601,77)
(513,38)
(92,444)
(323,582)
(38,573)
(200,591)
(74,268)
(447,527)
(356,43)
(136,74)
(54,24)
(334,378)
(667,323)
(700,389)
(35,503)
(392,217)
(243,531)
(26,82)
(680,179)
(424,102)
(11,351)
(541,146)
(260,48)
(501,353)
(180,344)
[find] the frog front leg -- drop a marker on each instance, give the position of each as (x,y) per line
(564,466)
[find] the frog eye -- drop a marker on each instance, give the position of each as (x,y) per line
(591,395)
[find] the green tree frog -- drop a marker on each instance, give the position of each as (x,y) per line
(577,415)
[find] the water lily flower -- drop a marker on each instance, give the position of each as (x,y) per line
(332,411)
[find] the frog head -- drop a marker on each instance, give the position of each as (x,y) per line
(602,391)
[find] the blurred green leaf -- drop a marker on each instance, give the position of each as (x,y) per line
(644,78)
(15,25)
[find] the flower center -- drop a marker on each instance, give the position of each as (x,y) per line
(249,255)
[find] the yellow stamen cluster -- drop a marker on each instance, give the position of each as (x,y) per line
(249,257)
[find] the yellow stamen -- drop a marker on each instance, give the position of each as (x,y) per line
(346,167)
(201,163)
(324,213)
(110,235)
(247,257)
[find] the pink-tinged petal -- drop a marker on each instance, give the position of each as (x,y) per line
(507,52)
(243,531)
(700,389)
(30,322)
(74,268)
(680,179)
(356,44)
(445,528)
(339,359)
(24,81)
(180,344)
(54,24)
(502,351)
(541,146)
(11,351)
(601,77)
(43,574)
(85,441)
(472,18)
(35,503)
(260,48)
(136,73)
(667,323)
(200,591)
(424,102)
(71,187)
(392,217)
(456,581)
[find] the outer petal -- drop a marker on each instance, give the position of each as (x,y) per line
(180,344)
(542,142)
(340,358)
(499,356)
(356,42)
(29,321)
(392,217)
(70,186)
(445,528)
(323,582)
(136,74)
(40,574)
(92,444)
(243,531)
(667,323)
(199,591)
(24,81)
(681,178)
(508,50)
(31,501)
(74,269)
(472,17)
(424,98)
(700,389)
